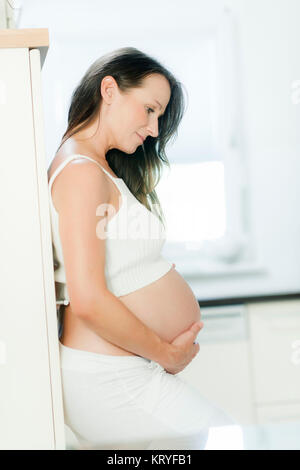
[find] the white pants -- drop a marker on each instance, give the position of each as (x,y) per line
(130,402)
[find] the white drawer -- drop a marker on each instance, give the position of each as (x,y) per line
(221,369)
(275,351)
(278,413)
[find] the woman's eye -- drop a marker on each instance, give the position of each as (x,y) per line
(151,110)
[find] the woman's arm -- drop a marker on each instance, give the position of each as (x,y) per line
(109,318)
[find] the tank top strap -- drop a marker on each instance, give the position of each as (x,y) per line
(97,163)
(73,157)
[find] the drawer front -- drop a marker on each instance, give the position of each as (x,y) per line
(275,351)
(278,413)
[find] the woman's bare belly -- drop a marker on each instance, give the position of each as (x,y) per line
(167,306)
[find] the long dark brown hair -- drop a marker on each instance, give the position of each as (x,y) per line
(129,66)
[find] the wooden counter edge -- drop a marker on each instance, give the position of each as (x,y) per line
(31,38)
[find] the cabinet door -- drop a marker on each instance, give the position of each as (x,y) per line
(26,407)
(275,334)
(221,369)
(278,413)
(46,251)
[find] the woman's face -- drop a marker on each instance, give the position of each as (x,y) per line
(136,113)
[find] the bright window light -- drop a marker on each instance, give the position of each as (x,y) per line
(225,438)
(193,201)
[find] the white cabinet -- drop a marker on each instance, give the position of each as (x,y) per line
(31,408)
(278,413)
(275,353)
(221,369)
(249,360)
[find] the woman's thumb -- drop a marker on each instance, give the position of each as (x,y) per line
(196,327)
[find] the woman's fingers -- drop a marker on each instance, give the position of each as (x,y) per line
(199,325)
(196,327)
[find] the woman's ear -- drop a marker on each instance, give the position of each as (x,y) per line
(107,88)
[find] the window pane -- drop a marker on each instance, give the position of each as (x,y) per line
(194,63)
(193,201)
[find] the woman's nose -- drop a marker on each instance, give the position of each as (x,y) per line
(153,129)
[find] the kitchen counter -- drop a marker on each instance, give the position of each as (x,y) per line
(248,299)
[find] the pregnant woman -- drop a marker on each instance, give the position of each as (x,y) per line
(130,322)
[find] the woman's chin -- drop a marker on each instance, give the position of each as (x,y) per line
(134,149)
(131,150)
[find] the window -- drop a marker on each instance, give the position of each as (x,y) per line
(192,196)
(204,196)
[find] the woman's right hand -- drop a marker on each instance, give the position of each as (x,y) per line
(182,350)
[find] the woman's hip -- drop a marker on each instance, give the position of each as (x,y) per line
(109,399)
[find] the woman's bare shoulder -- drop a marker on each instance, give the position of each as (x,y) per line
(69,147)
(64,152)
(56,161)
(85,175)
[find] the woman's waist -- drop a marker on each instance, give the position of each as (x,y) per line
(90,359)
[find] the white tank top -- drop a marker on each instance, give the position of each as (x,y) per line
(134,237)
